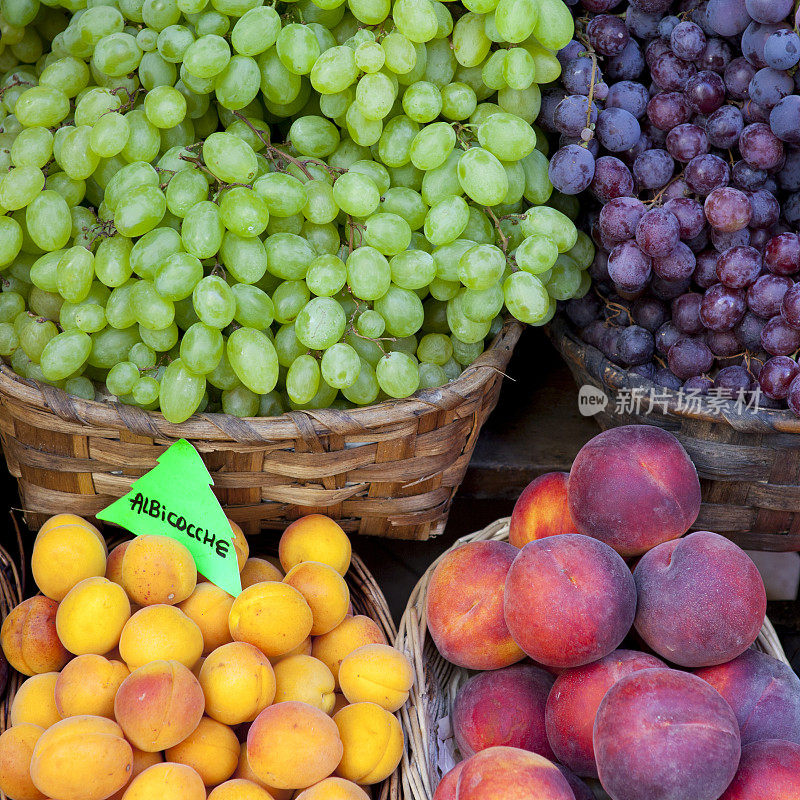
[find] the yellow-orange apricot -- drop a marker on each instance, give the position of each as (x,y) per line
(333,789)
(16,750)
(376,673)
(58,520)
(257,570)
(239,545)
(158,569)
(245,772)
(91,617)
(114,563)
(160,632)
(305,679)
(315,538)
(349,635)
(141,761)
(35,701)
(29,638)
(211,749)
(372,740)
(239,789)
(303,649)
(88,685)
(325,592)
(208,607)
(166,781)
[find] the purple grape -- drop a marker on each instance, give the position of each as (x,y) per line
(611,179)
(550,100)
(658,232)
(791,209)
(705,273)
(727,209)
(649,312)
(627,65)
(782,254)
(744,177)
(748,331)
(667,25)
(689,357)
(667,379)
(655,50)
(766,209)
(705,173)
(582,311)
(651,6)
(768,10)
(677,188)
(734,380)
(782,49)
(593,333)
(716,56)
(784,119)
(670,72)
(631,96)
(722,240)
(789,176)
(666,336)
(724,126)
(647,371)
(779,338)
(668,290)
(776,377)
(753,112)
(753,40)
(577,76)
(686,313)
(737,76)
(642,24)
(572,114)
(722,307)
(628,266)
(793,397)
(698,385)
(617,130)
(608,344)
(619,218)
(593,146)
(599,6)
(687,40)
(635,345)
(723,344)
(739,267)
(689,214)
(685,142)
(607,34)
(705,92)
(677,265)
(759,238)
(653,169)
(568,53)
(571,169)
(598,269)
(769,87)
(765,296)
(727,17)
(658,138)
(666,110)
(790,306)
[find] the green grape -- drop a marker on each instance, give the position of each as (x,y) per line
(405,203)
(238,84)
(34,336)
(492,70)
(68,75)
(142,356)
(320,207)
(465,353)
(32,147)
(375,95)
(288,255)
(146,391)
(160,340)
(293,225)
(303,379)
(537,182)
(412,269)
(519,69)
(314,136)
(415,19)
(334,70)
(373,170)
(240,402)
(356,194)
(431,146)
(526,297)
(422,101)
(207,56)
(516,183)
(365,389)
(212,23)
(435,348)
(11,239)
(482,305)
(177,275)
(136,175)
(507,136)
(340,365)
(324,239)
(90,318)
(470,42)
(71,190)
(64,354)
(566,204)
(155,71)
(368,273)
(80,386)
(482,177)
(402,310)
(565,279)
(277,83)
(109,135)
(122,378)
(398,374)
(431,376)
(119,313)
(388,233)
(45,304)
(11,305)
(180,392)
(370,324)
(144,139)
(173,42)
(254,360)
(284,194)
(481,266)
(117,54)
(229,158)
(214,302)
(256,31)
(201,348)
(152,249)
(442,182)
(546,221)
(254,307)
(369,57)
(446,220)
(336,105)
(297,48)
(139,211)
(320,323)
(42,106)
(536,254)
(243,211)
(326,275)
(150,309)
(362,130)
(524,103)
(202,230)
(582,252)
(458,101)
(479,228)
(288,300)
(75,272)
(20,186)
(244,259)
(270,405)
(461,325)
(185,190)
(165,106)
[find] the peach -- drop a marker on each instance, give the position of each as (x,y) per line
(763,692)
(504,772)
(573,702)
(768,770)
(16,750)
(349,635)
(569,600)
(372,740)
(465,606)
(448,785)
(81,758)
(211,749)
(504,707)
(239,545)
(579,788)
(141,761)
(245,772)
(160,633)
(114,563)
(91,617)
(238,683)
(88,685)
(29,638)
(159,705)
(660,733)
(166,782)
(65,555)
(35,701)
(701,600)
(238,789)
(293,745)
(541,510)
(325,592)
(333,789)
(208,607)
(258,570)
(315,538)
(376,673)
(633,487)
(306,680)
(158,569)
(272,616)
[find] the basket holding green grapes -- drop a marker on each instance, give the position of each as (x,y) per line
(226,205)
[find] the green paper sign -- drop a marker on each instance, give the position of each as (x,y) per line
(175,499)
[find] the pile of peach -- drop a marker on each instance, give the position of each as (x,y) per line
(687,711)
(148,683)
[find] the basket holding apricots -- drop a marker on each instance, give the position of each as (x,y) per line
(147,682)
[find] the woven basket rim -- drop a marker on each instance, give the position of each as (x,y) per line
(224,427)
(433,694)
(594,362)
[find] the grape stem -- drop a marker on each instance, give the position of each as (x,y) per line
(496,221)
(15,81)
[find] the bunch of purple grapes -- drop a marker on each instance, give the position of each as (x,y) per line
(679,123)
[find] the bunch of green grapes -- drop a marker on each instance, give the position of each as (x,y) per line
(229,206)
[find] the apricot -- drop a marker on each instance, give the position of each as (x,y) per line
(499,773)
(159,705)
(29,638)
(35,701)
(306,680)
(114,563)
(245,772)
(763,692)
(569,600)
(272,616)
(541,510)
(448,785)
(352,633)
(573,702)
(372,740)
(333,789)
(701,600)
(768,770)
(660,733)
(325,592)
(166,782)
(91,617)
(465,606)
(158,569)
(16,750)
(504,707)
(238,683)
(315,538)
(58,520)
(64,555)
(339,702)
(81,758)
(376,673)
(208,607)
(88,685)
(160,632)
(258,570)
(238,789)
(293,745)
(633,487)
(141,761)
(240,545)
(303,649)
(211,749)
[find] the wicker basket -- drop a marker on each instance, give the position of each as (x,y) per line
(748,460)
(386,470)
(365,595)
(431,749)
